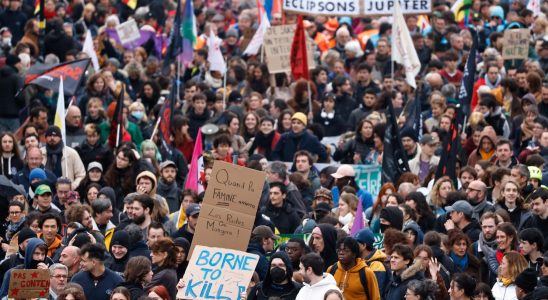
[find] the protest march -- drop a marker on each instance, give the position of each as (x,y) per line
(274,149)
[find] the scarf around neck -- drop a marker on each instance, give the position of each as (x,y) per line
(494,84)
(54,155)
(461,262)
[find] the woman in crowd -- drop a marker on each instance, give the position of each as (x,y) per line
(251,126)
(356,149)
(95,111)
(233,125)
(511,265)
(438,197)
(425,217)
(149,151)
(137,274)
(164,260)
(507,240)
(374,157)
(150,94)
(121,175)
(372,213)
(346,212)
(159,292)
(72,291)
(300,101)
(96,87)
(284,121)
(421,290)
(265,140)
(431,268)
(183,140)
(138,115)
(483,292)
(459,244)
(120,293)
(94,174)
(329,118)
(11,161)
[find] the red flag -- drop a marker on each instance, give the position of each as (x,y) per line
(299,58)
(118,133)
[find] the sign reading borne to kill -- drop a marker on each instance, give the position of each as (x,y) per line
(230,205)
(277,42)
(217,273)
(354,8)
(30,283)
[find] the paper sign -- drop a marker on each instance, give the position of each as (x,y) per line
(217,273)
(353,8)
(369,178)
(128,32)
(29,283)
(230,205)
(516,44)
(277,41)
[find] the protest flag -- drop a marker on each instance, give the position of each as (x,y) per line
(130,3)
(450,150)
(90,51)
(118,132)
(272,7)
(214,55)
(414,116)
(423,23)
(258,38)
(194,171)
(461,10)
(403,51)
(358,219)
(394,160)
(298,57)
(59,119)
(166,115)
(467,84)
(189,32)
(48,77)
(175,40)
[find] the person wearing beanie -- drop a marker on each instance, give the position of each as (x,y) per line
(62,160)
(391,217)
(183,247)
(298,138)
(409,141)
(231,45)
(526,281)
(119,249)
(19,257)
(374,258)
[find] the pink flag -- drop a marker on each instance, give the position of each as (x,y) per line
(358,219)
(192,178)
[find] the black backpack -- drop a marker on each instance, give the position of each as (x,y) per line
(363,279)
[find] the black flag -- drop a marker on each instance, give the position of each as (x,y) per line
(49,77)
(394,160)
(175,40)
(164,128)
(467,83)
(451,146)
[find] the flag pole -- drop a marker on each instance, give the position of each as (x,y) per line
(156,127)
(309,97)
(224,84)
(262,54)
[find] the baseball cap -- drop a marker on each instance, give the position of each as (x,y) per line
(166,164)
(323,207)
(461,206)
(264,231)
(95,165)
(344,171)
(192,210)
(365,236)
(42,189)
(427,139)
(53,130)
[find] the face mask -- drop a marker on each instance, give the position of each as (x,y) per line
(384,227)
(138,115)
(277,274)
(6,41)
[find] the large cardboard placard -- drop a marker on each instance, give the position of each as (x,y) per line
(217,273)
(277,42)
(229,208)
(29,283)
(128,32)
(516,44)
(353,8)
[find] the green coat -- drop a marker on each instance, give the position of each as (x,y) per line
(132,129)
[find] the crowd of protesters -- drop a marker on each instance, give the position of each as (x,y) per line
(114,221)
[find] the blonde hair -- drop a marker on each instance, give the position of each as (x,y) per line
(91,128)
(138,105)
(352,201)
(435,196)
(436,98)
(516,264)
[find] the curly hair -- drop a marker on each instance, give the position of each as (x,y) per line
(435,196)
(165,244)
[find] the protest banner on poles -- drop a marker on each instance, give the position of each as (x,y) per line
(516,44)
(217,273)
(277,42)
(358,8)
(128,32)
(229,208)
(29,283)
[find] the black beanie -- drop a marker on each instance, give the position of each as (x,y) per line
(527,280)
(120,238)
(409,132)
(393,215)
(25,234)
(12,60)
(183,243)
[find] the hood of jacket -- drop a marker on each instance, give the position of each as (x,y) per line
(31,246)
(288,268)
(109,192)
(489,133)
(412,270)
(152,177)
(376,255)
(327,279)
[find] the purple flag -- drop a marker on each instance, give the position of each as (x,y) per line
(358,219)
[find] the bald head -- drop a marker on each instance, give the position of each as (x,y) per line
(434,80)
(74,116)
(34,158)
(70,257)
(476,192)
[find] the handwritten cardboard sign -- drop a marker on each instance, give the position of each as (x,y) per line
(277,41)
(29,283)
(516,44)
(217,273)
(229,208)
(128,32)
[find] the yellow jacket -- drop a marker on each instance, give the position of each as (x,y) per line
(350,283)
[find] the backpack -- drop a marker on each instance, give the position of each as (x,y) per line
(363,279)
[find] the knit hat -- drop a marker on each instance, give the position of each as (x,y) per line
(300,117)
(120,238)
(53,130)
(37,173)
(25,234)
(231,32)
(323,207)
(12,60)
(409,132)
(323,193)
(393,215)
(183,243)
(527,280)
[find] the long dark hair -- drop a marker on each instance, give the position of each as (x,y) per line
(125,178)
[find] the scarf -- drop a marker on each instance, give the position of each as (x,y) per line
(263,142)
(506,281)
(526,132)
(487,247)
(492,85)
(12,228)
(499,255)
(486,155)
(54,155)
(461,262)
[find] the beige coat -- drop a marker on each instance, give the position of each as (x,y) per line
(71,160)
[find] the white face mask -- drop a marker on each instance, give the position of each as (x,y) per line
(6,41)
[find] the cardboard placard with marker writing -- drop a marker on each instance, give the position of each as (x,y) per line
(29,283)
(230,204)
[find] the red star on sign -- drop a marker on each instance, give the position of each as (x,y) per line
(34,275)
(15,291)
(43,293)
